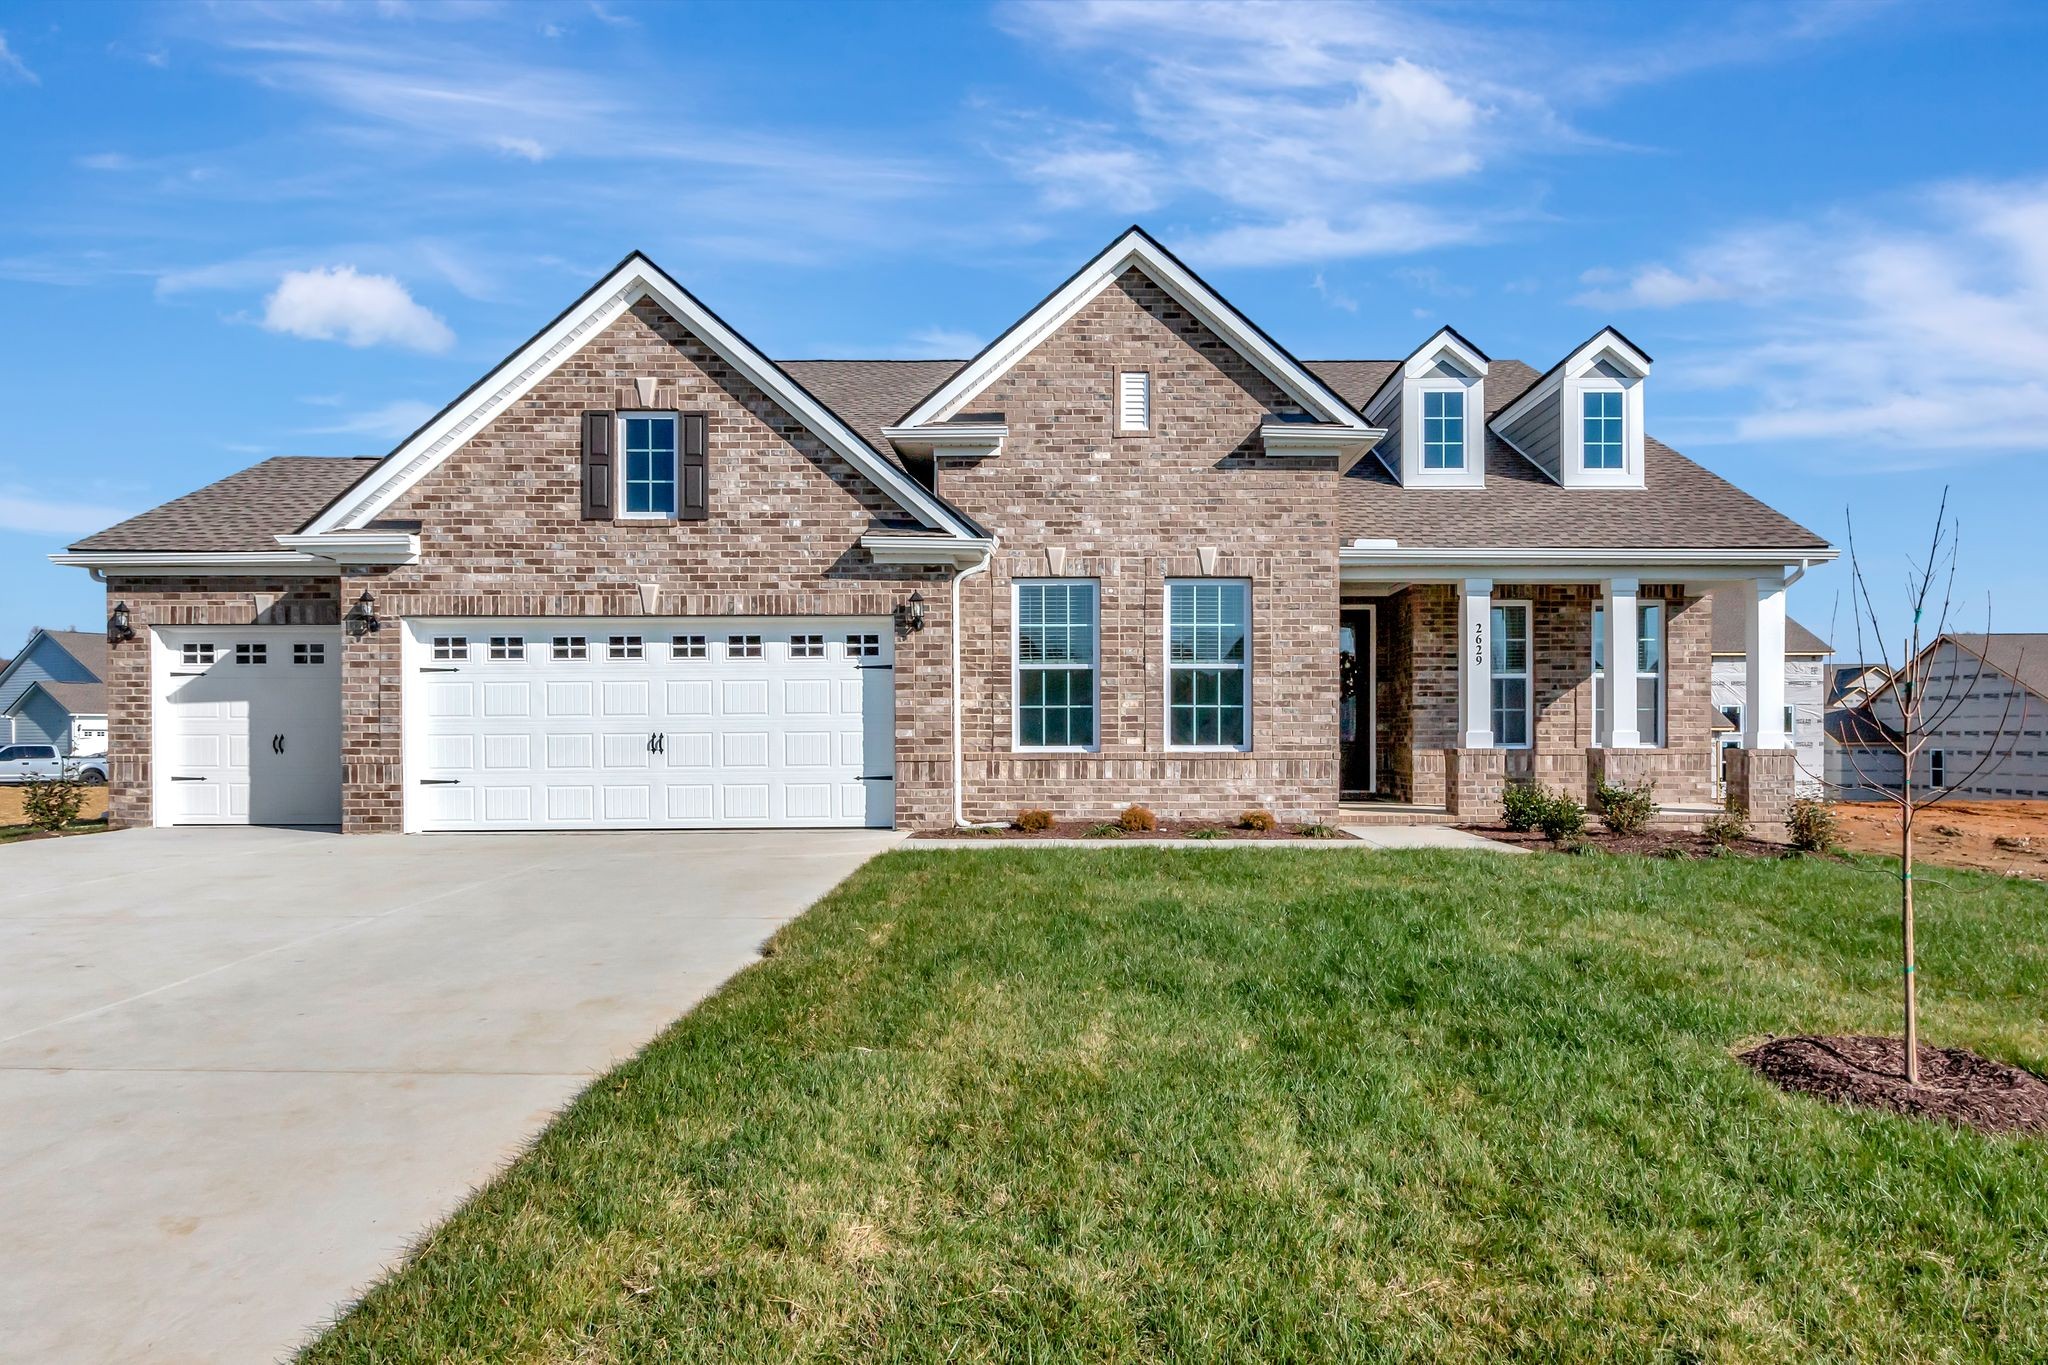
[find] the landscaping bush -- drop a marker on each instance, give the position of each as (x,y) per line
(1812,825)
(1522,805)
(51,803)
(1033,821)
(1729,827)
(1203,834)
(1320,832)
(1261,820)
(1105,831)
(1626,810)
(1563,820)
(1137,820)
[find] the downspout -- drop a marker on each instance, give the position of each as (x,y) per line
(959,766)
(1798,573)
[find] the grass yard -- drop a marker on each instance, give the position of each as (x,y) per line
(1153,1105)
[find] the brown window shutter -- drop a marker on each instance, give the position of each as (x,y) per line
(600,502)
(694,493)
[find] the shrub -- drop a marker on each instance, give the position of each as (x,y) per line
(1137,820)
(1812,825)
(1319,832)
(1257,819)
(1033,821)
(1105,831)
(1626,810)
(2014,843)
(1563,820)
(1203,834)
(1522,805)
(50,803)
(1729,827)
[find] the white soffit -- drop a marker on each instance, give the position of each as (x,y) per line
(426,448)
(1134,249)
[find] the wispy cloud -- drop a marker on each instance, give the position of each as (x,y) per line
(391,422)
(335,303)
(939,343)
(1910,334)
(12,67)
(107,161)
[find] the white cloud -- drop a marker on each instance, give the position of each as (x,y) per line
(1913,333)
(22,510)
(107,161)
(1104,178)
(392,422)
(525,147)
(1377,230)
(12,65)
(334,303)
(940,343)
(1331,295)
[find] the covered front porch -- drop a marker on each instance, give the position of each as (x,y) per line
(1457,681)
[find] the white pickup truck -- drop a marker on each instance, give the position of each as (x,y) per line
(19,762)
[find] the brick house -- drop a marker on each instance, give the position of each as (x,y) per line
(640,575)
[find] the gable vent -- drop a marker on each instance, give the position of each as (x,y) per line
(1134,401)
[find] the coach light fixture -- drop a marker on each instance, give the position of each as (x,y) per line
(910,615)
(118,628)
(362,617)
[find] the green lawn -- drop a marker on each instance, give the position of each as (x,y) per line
(1155,1105)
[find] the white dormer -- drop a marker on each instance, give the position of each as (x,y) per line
(1582,423)
(1434,410)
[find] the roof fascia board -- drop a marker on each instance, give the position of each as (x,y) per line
(1503,563)
(1133,248)
(1445,338)
(193,562)
(426,448)
(886,548)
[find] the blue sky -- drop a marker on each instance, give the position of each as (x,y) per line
(234,231)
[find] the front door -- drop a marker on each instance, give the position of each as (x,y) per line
(1355,716)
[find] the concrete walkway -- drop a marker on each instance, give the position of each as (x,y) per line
(1428,836)
(241,1069)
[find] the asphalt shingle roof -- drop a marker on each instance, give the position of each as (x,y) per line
(2023,657)
(89,647)
(244,511)
(79,698)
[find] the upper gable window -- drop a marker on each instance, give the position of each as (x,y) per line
(1134,401)
(648,441)
(1602,443)
(1443,429)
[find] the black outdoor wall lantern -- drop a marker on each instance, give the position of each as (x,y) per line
(910,615)
(362,617)
(118,628)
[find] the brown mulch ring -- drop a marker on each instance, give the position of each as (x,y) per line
(1956,1085)
(1168,829)
(1654,843)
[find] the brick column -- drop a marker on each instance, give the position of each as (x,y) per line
(1473,782)
(1760,782)
(1622,767)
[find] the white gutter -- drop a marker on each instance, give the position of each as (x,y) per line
(952,440)
(357,547)
(959,765)
(896,547)
(176,562)
(1378,561)
(1301,441)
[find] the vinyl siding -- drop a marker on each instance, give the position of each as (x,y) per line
(44,661)
(1538,435)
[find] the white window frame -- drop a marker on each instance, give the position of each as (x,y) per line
(625,648)
(807,645)
(1245,666)
(675,425)
(1431,389)
(1527,676)
(254,655)
(1662,674)
(745,646)
(1573,472)
(689,647)
(1124,380)
(1018,667)
(506,648)
(309,652)
(1604,388)
(569,648)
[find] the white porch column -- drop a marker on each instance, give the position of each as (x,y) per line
(1475,664)
(1763,709)
(1618,700)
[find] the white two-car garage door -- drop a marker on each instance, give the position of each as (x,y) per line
(649,723)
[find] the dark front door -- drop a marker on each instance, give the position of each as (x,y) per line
(1355,719)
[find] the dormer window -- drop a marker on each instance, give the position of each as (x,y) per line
(1427,407)
(1443,429)
(1600,444)
(1582,422)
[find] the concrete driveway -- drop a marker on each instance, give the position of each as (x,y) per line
(240,1070)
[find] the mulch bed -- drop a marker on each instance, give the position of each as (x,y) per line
(1168,829)
(1655,843)
(1956,1085)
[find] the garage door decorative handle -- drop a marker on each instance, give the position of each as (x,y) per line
(657,744)
(277,744)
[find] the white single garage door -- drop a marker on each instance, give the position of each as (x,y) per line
(649,723)
(247,725)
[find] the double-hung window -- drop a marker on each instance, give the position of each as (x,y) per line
(648,441)
(1058,623)
(1601,444)
(1443,429)
(1208,664)
(1510,669)
(1649,689)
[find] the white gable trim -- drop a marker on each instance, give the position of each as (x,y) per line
(1135,250)
(1605,344)
(426,448)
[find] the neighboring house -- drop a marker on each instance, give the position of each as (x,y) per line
(50,693)
(639,575)
(1985,714)
(1805,708)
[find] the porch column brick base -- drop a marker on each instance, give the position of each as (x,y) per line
(1473,782)
(1760,782)
(1622,767)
